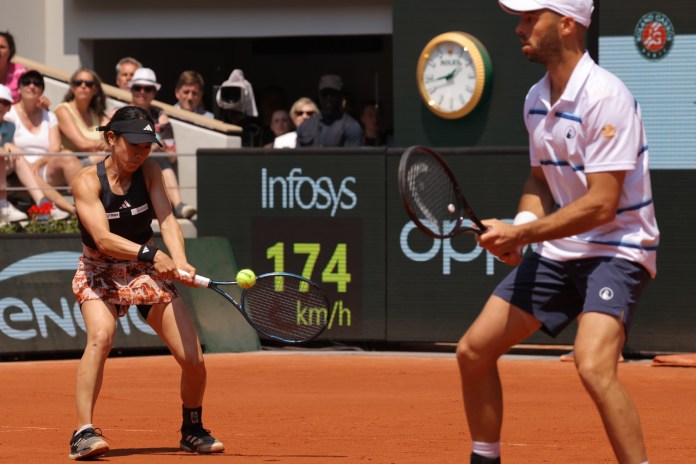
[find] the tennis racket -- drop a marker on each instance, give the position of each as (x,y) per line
(282,306)
(431,195)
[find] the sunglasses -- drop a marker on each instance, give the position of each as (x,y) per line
(5,103)
(25,81)
(79,82)
(143,88)
(302,113)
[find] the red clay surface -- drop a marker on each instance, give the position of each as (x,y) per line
(326,408)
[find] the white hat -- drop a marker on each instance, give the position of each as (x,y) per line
(144,76)
(579,10)
(6,93)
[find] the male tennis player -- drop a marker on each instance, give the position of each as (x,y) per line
(588,203)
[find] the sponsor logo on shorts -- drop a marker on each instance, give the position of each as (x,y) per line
(606,293)
(654,35)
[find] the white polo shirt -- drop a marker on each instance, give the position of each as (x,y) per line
(595,126)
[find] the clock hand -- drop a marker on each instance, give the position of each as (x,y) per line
(449,75)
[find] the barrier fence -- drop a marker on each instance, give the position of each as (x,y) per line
(336,217)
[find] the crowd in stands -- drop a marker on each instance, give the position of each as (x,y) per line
(42,149)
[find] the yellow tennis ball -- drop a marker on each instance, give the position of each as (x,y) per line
(246,278)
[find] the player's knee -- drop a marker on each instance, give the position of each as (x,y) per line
(194,365)
(595,377)
(467,357)
(101,340)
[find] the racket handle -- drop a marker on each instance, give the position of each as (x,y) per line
(198,280)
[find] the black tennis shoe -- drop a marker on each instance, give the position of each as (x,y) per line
(477,459)
(196,439)
(87,444)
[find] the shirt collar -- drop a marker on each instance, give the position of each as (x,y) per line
(575,83)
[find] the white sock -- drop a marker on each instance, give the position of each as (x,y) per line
(486,450)
(84,427)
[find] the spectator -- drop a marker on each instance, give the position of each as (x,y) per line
(280,125)
(332,127)
(371,121)
(303,109)
(125,68)
(9,72)
(189,93)
(8,212)
(81,112)
(144,87)
(36,134)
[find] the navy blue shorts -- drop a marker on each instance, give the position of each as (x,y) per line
(556,292)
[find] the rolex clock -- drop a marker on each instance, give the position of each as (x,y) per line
(454,72)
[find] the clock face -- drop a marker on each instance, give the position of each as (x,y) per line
(452,73)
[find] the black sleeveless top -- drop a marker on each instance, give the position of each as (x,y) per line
(129,215)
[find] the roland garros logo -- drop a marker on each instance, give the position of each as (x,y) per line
(654,35)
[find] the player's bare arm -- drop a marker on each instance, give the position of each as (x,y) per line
(598,206)
(169,227)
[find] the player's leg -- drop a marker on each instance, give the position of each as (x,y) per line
(100,322)
(172,323)
(598,344)
(499,326)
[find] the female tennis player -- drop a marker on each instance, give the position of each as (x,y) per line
(120,266)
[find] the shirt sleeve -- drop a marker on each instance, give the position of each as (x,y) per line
(613,135)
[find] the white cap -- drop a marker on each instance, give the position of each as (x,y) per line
(6,93)
(144,76)
(579,10)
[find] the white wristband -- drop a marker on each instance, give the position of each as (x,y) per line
(523,217)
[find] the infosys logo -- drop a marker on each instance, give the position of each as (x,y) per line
(295,190)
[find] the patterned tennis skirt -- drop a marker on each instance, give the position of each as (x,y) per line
(122,283)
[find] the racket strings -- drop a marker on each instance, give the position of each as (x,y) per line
(287,308)
(432,194)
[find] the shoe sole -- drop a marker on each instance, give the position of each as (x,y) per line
(97,450)
(212,449)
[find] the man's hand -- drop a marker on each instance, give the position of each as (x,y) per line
(501,240)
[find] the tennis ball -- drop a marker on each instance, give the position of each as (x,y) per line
(246,278)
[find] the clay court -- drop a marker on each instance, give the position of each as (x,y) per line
(346,407)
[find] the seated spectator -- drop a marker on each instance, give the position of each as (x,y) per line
(371,120)
(80,113)
(8,212)
(125,68)
(332,127)
(144,87)
(303,109)
(189,93)
(36,135)
(10,72)
(281,124)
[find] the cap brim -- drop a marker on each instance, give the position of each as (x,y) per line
(520,6)
(137,139)
(145,84)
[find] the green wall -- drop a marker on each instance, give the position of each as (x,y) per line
(498,121)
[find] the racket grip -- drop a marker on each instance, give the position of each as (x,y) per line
(198,280)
